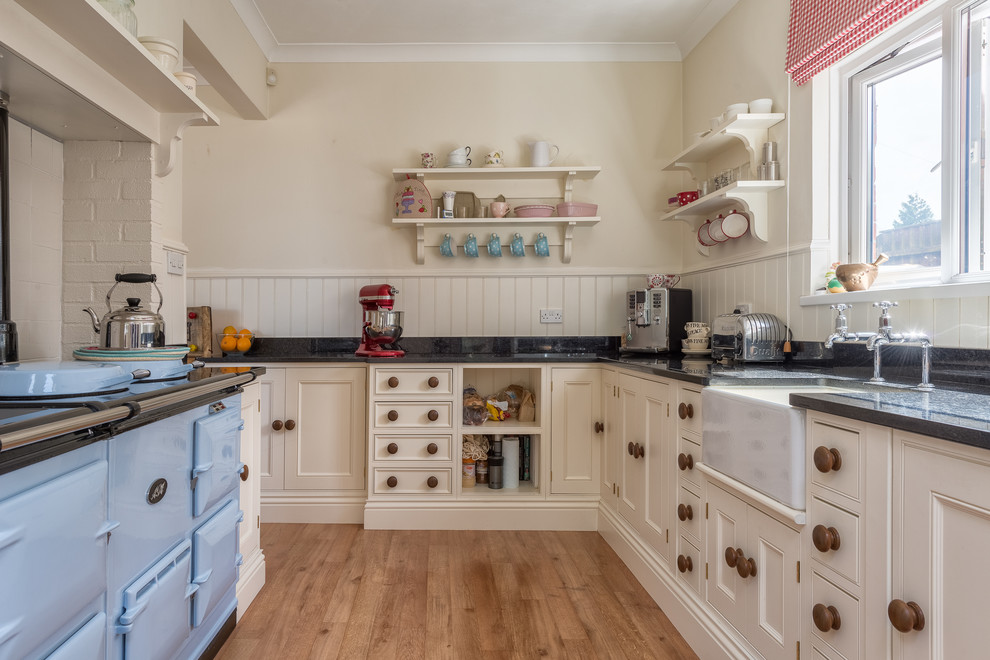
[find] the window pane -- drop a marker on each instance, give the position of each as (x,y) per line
(905,154)
(976,192)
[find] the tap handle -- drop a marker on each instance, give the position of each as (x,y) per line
(841,325)
(841,307)
(884,305)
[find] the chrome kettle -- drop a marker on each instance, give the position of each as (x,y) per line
(131,326)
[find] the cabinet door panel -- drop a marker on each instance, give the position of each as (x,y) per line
(249,498)
(659,491)
(727,592)
(776,549)
(574,443)
(611,457)
(326,447)
(632,475)
(271,463)
(941,532)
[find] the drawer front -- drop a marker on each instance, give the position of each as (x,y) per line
(692,525)
(687,564)
(827,522)
(845,640)
(829,442)
(688,453)
(413,415)
(411,482)
(414,381)
(395,447)
(689,410)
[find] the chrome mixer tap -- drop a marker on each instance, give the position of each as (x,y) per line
(842,333)
(886,335)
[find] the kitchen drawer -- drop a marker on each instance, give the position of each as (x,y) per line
(396,447)
(413,415)
(414,381)
(689,410)
(844,560)
(691,526)
(691,452)
(831,441)
(411,481)
(688,564)
(845,640)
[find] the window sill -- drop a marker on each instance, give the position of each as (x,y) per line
(954,290)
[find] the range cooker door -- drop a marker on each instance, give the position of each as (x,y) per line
(155,620)
(216,456)
(53,558)
(88,643)
(215,560)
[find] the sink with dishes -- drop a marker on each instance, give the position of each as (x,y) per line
(754,436)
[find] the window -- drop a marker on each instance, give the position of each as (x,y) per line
(918,114)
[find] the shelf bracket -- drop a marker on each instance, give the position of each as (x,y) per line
(756,204)
(569,186)
(568,241)
(171,128)
(698,171)
(420,243)
(752,139)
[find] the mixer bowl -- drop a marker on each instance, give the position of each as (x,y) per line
(383,326)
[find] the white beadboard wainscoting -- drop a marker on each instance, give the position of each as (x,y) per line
(434,306)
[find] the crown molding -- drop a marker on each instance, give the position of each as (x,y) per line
(477,52)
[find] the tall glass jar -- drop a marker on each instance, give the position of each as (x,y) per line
(123,13)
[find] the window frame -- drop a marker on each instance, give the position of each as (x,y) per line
(946,14)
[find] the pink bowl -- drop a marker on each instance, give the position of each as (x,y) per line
(576,209)
(534,211)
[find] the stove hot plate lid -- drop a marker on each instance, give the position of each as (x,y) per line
(46,378)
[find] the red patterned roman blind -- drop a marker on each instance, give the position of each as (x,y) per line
(823,31)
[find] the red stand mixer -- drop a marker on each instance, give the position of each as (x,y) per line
(381,325)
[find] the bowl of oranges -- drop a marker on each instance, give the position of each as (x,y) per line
(234,342)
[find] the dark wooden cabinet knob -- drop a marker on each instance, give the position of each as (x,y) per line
(639,451)
(685,461)
(290,424)
(392,415)
(684,564)
(684,512)
(432,448)
(433,415)
(685,411)
(827,460)
(825,538)
(599,427)
(392,482)
(433,382)
(277,425)
(736,558)
(826,617)
(432,482)
(393,382)
(244,472)
(392,448)
(630,448)
(906,616)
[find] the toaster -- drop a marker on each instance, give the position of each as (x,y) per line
(749,337)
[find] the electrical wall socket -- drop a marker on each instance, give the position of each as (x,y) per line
(551,316)
(745,308)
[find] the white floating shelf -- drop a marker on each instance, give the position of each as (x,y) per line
(449,173)
(749,129)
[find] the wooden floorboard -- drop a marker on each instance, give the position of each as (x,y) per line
(340,591)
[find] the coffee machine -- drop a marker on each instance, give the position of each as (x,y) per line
(655,320)
(381,325)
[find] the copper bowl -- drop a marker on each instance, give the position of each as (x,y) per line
(859,277)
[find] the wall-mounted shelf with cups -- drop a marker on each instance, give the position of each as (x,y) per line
(752,131)
(91,28)
(489,182)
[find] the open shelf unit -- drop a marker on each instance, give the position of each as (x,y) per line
(486,182)
(90,28)
(752,131)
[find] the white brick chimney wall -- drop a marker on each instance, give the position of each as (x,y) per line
(111,224)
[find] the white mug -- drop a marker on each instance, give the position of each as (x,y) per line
(541,156)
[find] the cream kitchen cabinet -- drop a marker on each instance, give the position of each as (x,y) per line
(252,572)
(941,530)
(611,456)
(753,579)
(576,429)
(645,486)
(313,439)
(689,506)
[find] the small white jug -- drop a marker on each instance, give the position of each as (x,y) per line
(541,153)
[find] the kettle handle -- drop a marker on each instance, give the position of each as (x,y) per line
(136,278)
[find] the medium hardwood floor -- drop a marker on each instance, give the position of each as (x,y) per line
(340,591)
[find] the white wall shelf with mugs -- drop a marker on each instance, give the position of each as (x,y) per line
(751,129)
(527,183)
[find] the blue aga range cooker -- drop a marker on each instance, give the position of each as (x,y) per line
(119,509)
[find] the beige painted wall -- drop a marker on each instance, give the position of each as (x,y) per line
(310,189)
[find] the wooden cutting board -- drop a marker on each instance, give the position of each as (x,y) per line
(199,330)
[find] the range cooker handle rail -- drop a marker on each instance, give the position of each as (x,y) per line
(124,410)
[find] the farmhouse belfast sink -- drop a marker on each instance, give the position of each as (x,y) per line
(754,436)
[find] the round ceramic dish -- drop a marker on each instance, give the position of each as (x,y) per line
(715,230)
(534,211)
(735,224)
(704,237)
